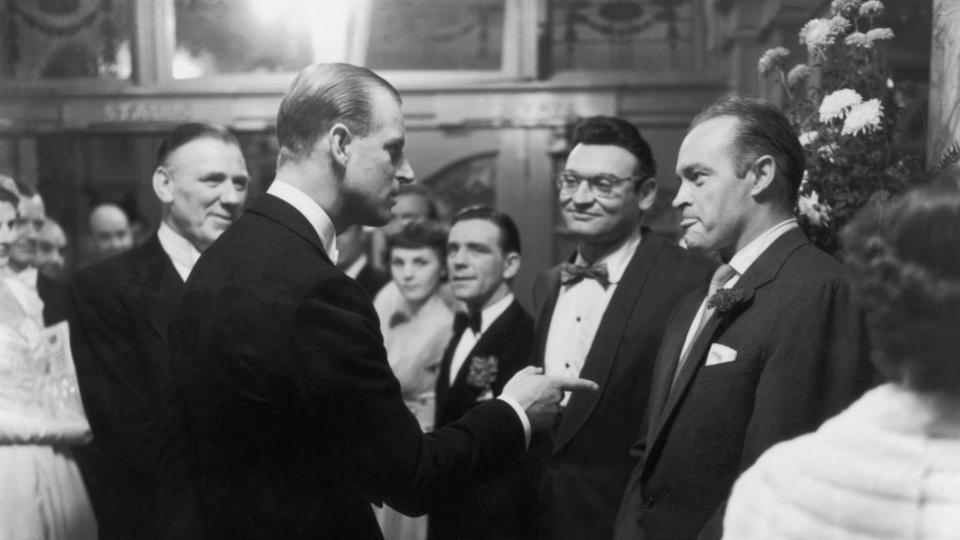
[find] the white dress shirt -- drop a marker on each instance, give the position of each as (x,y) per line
(312,211)
(740,262)
(469,339)
(182,253)
(578,312)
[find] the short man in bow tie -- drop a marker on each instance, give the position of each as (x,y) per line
(600,316)
(492,340)
(772,348)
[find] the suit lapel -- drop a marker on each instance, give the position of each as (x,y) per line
(160,286)
(278,210)
(607,341)
(761,272)
(670,351)
(542,329)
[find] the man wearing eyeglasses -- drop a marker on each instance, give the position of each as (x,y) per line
(600,317)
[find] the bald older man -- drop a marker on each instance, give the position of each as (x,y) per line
(110,231)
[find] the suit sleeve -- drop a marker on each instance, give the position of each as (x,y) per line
(112,372)
(817,363)
(336,341)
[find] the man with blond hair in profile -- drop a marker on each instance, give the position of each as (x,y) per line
(120,310)
(296,416)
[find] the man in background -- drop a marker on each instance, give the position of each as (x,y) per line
(120,310)
(354,260)
(601,316)
(110,232)
(492,340)
(769,350)
(52,251)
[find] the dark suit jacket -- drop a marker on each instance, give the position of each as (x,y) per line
(119,312)
(504,507)
(296,419)
(802,356)
(372,279)
(587,461)
(54,296)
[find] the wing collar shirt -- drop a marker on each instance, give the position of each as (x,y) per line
(354,269)
(469,339)
(579,309)
(312,211)
(740,262)
(182,253)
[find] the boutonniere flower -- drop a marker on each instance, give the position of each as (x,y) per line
(483,371)
(726,300)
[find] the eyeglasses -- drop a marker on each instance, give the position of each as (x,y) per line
(601,185)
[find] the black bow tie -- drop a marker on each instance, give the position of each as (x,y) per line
(398,318)
(573,273)
(462,321)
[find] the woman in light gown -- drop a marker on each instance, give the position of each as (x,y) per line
(417,325)
(42,496)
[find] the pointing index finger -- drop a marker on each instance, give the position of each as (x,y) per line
(571,383)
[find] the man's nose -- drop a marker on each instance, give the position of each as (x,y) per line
(405,174)
(583,195)
(230,195)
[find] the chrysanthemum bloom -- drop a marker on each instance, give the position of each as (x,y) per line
(840,25)
(808,137)
(880,33)
(817,34)
(798,74)
(810,206)
(871,8)
(844,7)
(863,118)
(771,60)
(858,39)
(835,105)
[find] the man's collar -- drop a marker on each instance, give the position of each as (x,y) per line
(182,253)
(744,258)
(356,266)
(312,211)
(618,260)
(494,310)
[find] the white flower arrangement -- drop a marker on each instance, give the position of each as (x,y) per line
(863,118)
(836,105)
(841,102)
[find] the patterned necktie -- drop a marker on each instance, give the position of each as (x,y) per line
(463,320)
(574,273)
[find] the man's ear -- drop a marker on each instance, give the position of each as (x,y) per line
(339,140)
(647,191)
(162,185)
(511,265)
(764,171)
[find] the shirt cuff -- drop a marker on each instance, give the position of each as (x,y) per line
(523,417)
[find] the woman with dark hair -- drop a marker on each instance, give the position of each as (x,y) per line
(416,329)
(888,466)
(41,417)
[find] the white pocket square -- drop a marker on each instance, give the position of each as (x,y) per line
(720,354)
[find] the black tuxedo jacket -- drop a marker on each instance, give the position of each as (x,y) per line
(54,296)
(295,418)
(119,312)
(504,507)
(587,461)
(801,357)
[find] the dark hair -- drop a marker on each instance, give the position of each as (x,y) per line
(420,234)
(509,235)
(185,133)
(8,196)
(322,95)
(424,192)
(762,130)
(907,265)
(610,130)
